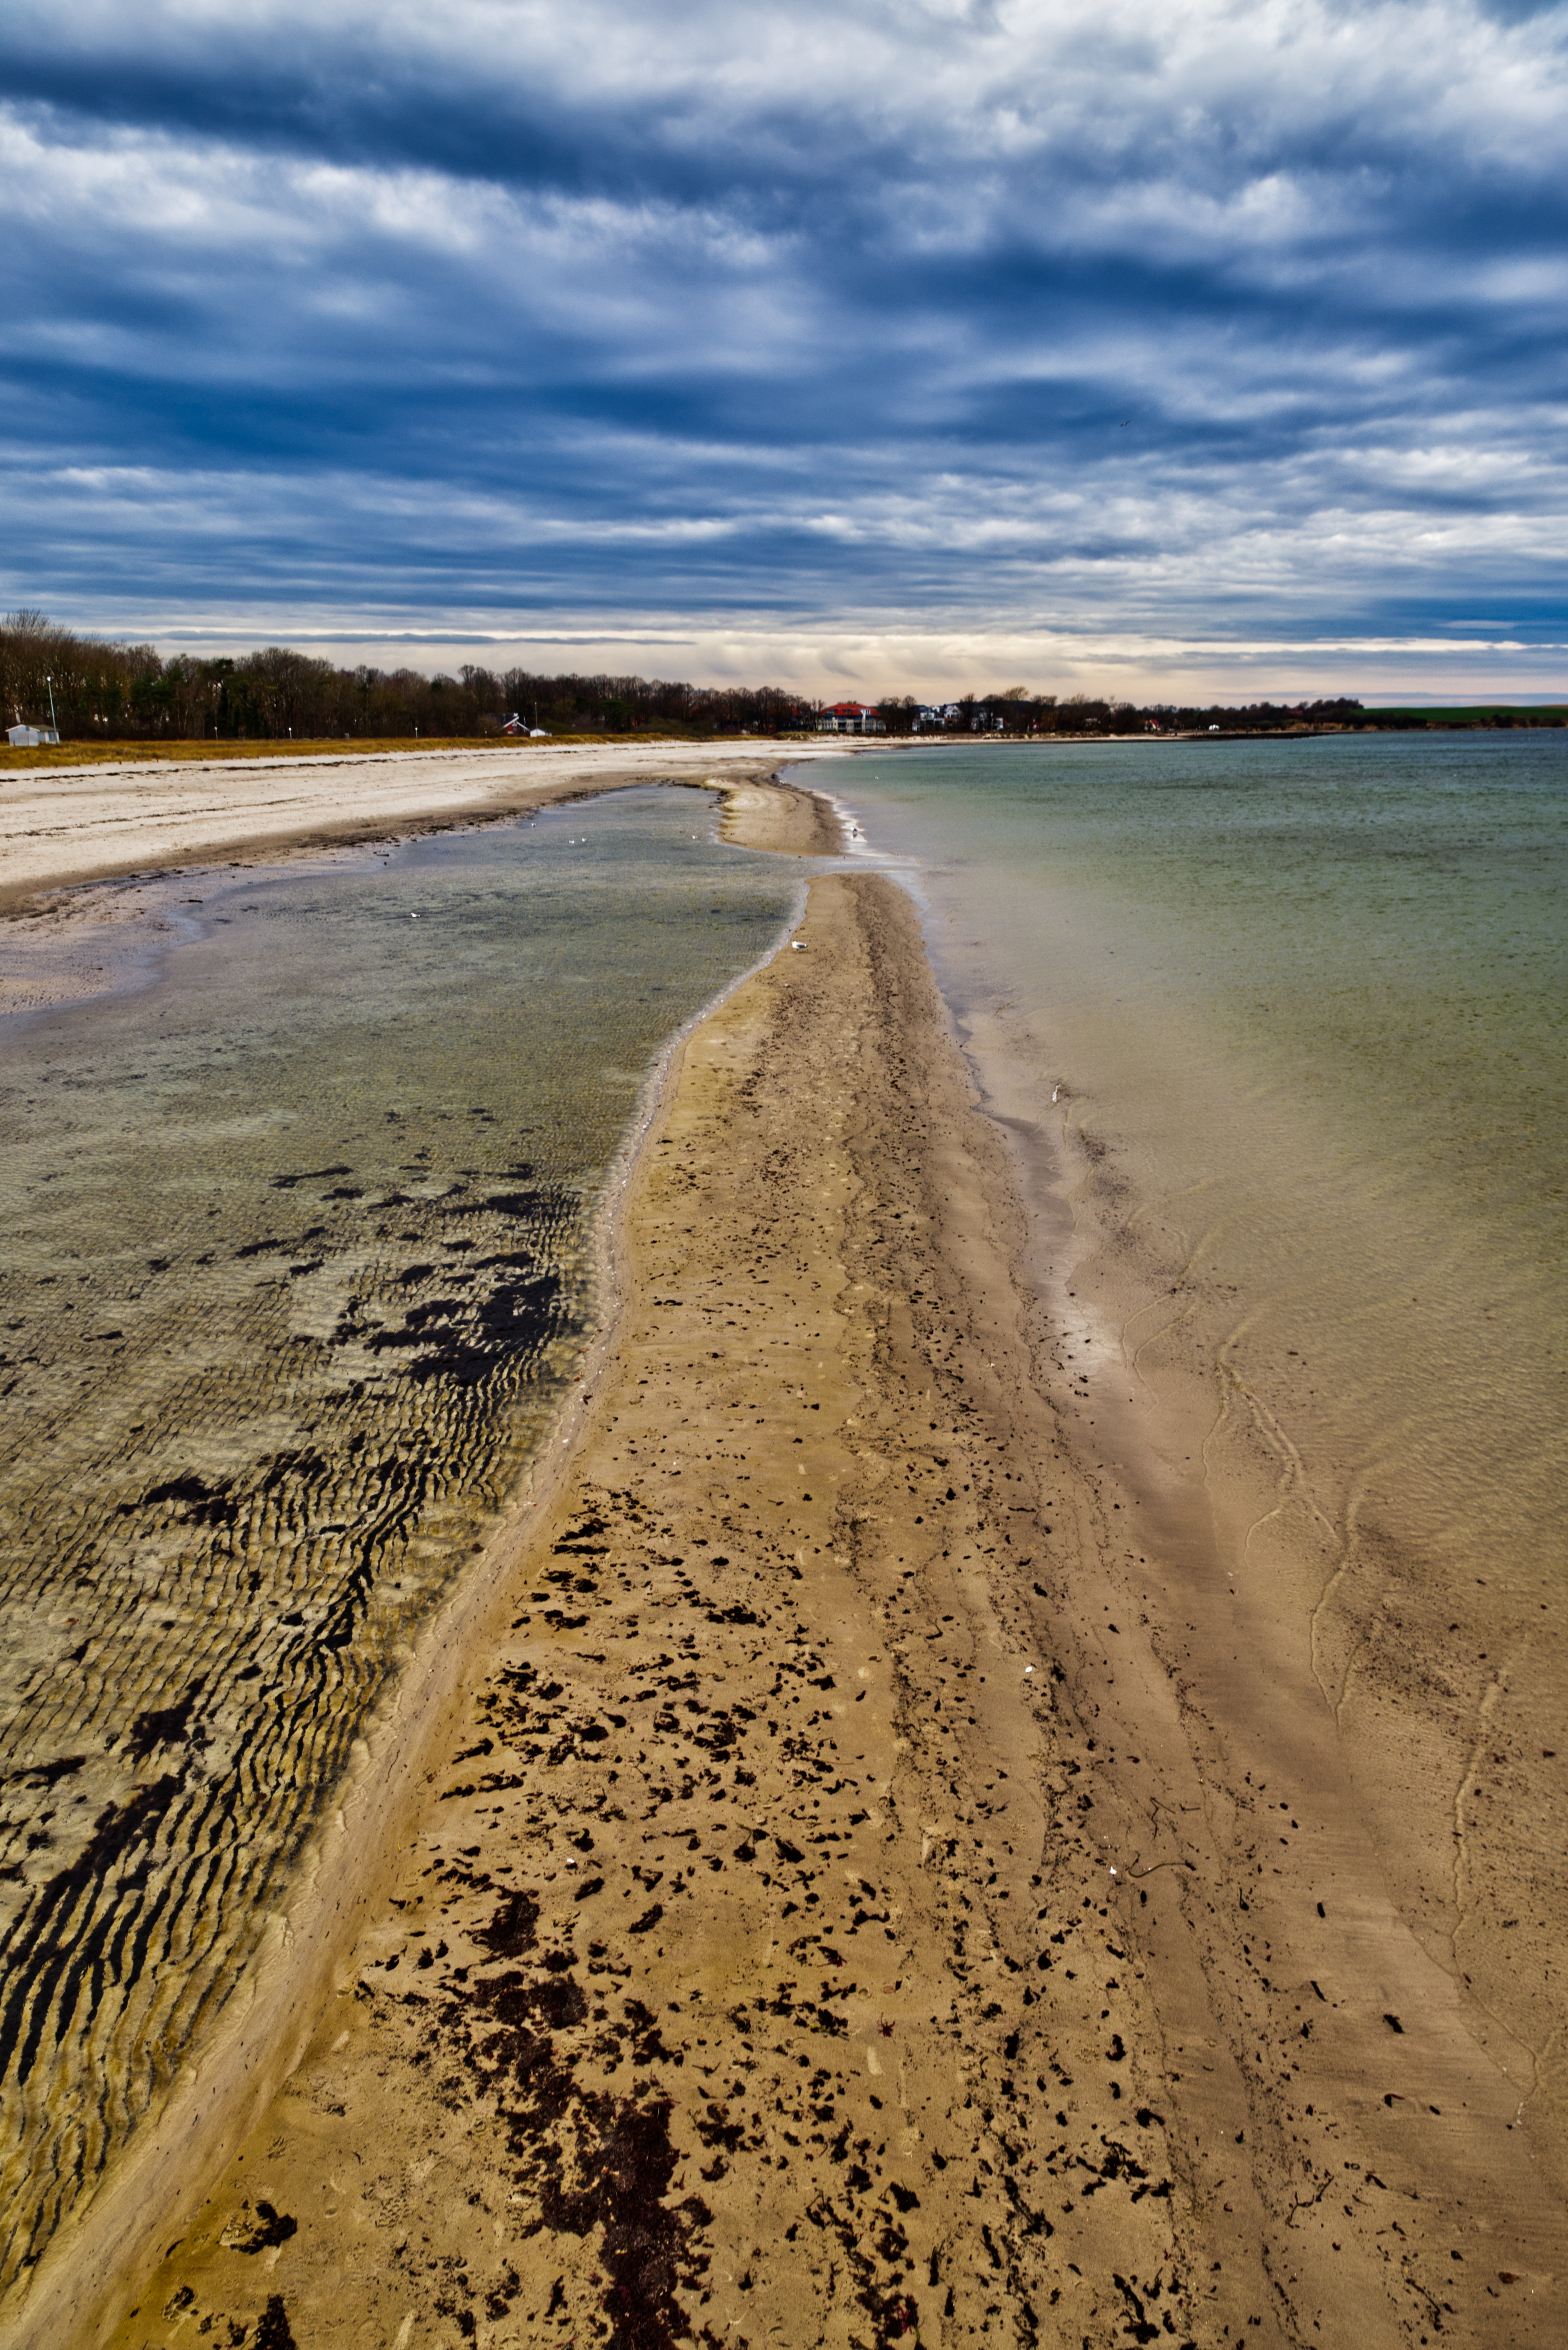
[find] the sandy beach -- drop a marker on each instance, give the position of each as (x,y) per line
(827,1877)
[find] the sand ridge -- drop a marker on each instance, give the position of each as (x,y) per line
(787,1944)
(730,2006)
(141,1890)
(822,1896)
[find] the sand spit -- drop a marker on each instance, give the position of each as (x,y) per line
(816,1913)
(265,1493)
(63,826)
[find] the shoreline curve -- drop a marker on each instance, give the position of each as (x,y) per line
(905,1948)
(254,2043)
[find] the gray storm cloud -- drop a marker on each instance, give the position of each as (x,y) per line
(1197,324)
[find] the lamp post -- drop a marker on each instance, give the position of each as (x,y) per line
(53,722)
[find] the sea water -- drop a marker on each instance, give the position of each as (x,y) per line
(300,1254)
(1281,1030)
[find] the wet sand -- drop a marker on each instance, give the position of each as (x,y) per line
(807,1892)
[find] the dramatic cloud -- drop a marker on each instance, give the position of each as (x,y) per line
(1101,334)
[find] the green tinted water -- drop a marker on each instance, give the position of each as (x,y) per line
(300,1253)
(1281,1029)
(1312,1000)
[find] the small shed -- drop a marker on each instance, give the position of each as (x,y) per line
(30,738)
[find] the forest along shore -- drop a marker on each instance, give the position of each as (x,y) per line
(791,1943)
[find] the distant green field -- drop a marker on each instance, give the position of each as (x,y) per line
(1478,714)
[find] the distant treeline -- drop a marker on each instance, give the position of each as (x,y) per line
(1019,712)
(119,692)
(110,692)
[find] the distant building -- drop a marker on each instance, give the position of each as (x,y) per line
(849,718)
(30,738)
(942,715)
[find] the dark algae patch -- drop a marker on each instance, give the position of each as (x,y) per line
(598,2164)
(274,2331)
(263,2229)
(510,1931)
(300,1259)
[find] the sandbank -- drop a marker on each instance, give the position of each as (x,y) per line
(802,1892)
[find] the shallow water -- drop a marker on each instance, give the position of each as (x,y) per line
(300,1255)
(1282,1031)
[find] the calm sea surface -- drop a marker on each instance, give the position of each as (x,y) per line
(300,1253)
(1313,999)
(1290,1024)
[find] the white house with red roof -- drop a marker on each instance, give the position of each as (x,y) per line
(849,718)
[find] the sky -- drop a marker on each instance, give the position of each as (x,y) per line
(1153,349)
